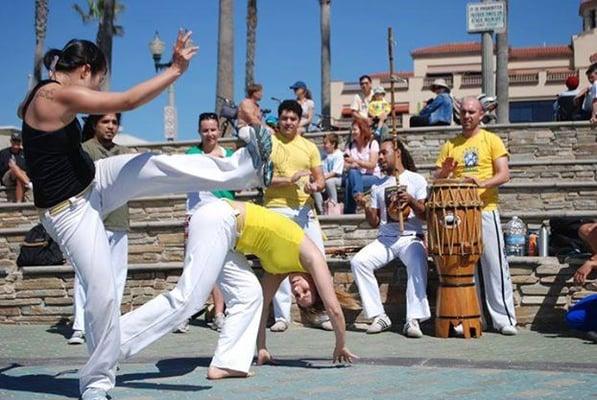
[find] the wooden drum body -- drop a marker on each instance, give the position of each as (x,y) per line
(455,243)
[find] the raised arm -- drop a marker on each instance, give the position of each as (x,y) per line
(78,99)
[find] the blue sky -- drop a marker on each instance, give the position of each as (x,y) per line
(288,44)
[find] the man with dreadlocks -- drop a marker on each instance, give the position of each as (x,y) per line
(403,191)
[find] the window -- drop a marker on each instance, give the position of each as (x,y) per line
(531,111)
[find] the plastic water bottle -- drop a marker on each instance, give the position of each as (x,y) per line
(515,237)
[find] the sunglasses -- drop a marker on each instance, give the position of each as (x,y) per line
(208,116)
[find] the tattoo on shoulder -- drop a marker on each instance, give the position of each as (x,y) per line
(46,94)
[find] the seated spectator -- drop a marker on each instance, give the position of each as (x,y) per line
(305,99)
(566,108)
(583,315)
(588,96)
(249,111)
(13,171)
(379,109)
(360,164)
(360,102)
(333,166)
(439,110)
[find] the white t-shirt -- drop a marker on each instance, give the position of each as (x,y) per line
(360,103)
(416,186)
(364,155)
(308,107)
(334,163)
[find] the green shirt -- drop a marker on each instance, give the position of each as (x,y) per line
(117,220)
(220,194)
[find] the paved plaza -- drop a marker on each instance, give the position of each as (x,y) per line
(36,363)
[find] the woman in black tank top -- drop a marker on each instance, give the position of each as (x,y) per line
(65,182)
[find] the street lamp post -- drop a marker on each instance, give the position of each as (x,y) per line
(157,47)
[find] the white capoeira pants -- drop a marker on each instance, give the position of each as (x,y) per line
(377,254)
(209,260)
(496,273)
(119,247)
(80,232)
(305,217)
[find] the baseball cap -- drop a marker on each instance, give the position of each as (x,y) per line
(298,85)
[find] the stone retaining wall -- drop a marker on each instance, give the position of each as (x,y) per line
(529,141)
(542,290)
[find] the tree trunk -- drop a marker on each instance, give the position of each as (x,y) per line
(325,63)
(104,36)
(502,79)
(251,42)
(225,77)
(41,24)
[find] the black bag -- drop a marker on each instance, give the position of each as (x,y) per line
(39,249)
(567,109)
(564,240)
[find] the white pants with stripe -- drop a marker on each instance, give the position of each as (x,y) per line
(496,273)
(305,217)
(209,260)
(80,232)
(119,246)
(377,254)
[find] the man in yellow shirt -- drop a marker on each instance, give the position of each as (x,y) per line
(480,156)
(297,174)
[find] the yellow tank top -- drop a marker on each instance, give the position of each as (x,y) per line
(273,238)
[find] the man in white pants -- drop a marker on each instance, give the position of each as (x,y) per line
(104,128)
(392,243)
(297,175)
(479,156)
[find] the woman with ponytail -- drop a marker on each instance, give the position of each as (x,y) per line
(73,193)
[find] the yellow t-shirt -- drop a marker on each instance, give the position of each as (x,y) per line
(273,238)
(378,107)
(475,157)
(289,157)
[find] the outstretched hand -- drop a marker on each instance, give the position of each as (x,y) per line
(343,355)
(183,51)
(448,167)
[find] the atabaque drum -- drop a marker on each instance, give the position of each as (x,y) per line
(454,240)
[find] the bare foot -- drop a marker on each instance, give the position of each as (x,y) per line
(214,373)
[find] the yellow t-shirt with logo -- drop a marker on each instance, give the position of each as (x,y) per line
(290,157)
(475,157)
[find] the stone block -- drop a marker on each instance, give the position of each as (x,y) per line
(543,300)
(523,279)
(41,293)
(42,310)
(10,311)
(554,269)
(542,290)
(58,301)
(40,283)
(19,302)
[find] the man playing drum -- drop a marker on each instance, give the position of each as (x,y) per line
(388,200)
(480,157)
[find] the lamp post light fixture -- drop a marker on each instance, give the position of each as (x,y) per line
(157,47)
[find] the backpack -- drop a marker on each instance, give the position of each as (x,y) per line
(566,109)
(38,248)
(564,240)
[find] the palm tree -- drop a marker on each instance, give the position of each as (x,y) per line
(105,12)
(326,95)
(225,77)
(41,24)
(251,40)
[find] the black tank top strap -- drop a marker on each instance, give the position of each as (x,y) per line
(34,90)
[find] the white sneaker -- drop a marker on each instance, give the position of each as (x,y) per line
(412,329)
(322,321)
(94,394)
(183,328)
(279,326)
(508,330)
(380,323)
(592,335)
(78,337)
(218,322)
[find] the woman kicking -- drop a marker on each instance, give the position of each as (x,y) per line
(73,193)
(220,232)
